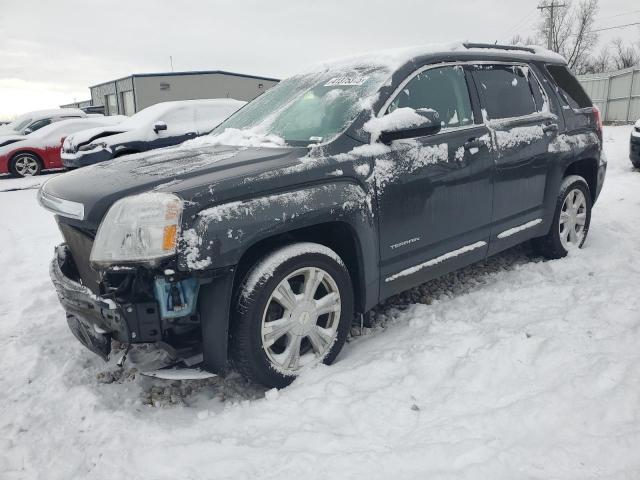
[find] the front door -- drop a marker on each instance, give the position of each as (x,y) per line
(434,192)
(516,109)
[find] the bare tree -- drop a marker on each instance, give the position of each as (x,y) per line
(524,41)
(599,63)
(624,56)
(571,30)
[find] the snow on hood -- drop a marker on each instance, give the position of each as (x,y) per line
(238,138)
(8,139)
(85,136)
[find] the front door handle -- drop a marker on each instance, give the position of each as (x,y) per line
(550,127)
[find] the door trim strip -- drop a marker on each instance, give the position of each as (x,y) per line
(519,228)
(435,261)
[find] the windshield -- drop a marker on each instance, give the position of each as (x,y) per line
(19,123)
(310,108)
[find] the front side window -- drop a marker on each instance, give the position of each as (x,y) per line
(505,90)
(441,89)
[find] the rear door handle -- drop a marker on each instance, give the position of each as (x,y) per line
(550,127)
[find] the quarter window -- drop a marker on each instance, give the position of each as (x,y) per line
(570,89)
(441,89)
(506,91)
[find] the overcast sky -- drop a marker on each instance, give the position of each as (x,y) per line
(51,51)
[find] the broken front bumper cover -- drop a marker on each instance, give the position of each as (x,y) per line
(93,320)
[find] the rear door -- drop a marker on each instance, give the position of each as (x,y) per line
(516,109)
(434,192)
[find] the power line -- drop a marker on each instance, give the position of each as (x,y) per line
(614,27)
(618,15)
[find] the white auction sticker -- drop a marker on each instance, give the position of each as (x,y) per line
(346,81)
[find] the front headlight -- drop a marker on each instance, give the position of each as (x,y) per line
(140,228)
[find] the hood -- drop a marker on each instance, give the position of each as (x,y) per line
(72,142)
(8,139)
(204,176)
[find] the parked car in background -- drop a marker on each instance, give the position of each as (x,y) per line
(252,248)
(634,147)
(30,154)
(32,121)
(160,125)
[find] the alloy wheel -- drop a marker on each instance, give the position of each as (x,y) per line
(573,217)
(26,165)
(300,320)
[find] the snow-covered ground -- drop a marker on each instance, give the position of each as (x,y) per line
(514,368)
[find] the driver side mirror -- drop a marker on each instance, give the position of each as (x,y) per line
(27,131)
(160,125)
(409,123)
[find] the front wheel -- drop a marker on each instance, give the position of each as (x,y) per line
(294,310)
(25,165)
(570,221)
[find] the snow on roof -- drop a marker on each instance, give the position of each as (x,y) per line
(154,112)
(394,58)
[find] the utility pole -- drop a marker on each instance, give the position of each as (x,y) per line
(171,62)
(552,6)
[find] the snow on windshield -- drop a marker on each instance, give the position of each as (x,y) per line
(312,107)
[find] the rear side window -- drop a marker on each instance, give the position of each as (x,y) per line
(505,90)
(570,89)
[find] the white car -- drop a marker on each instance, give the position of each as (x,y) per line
(32,121)
(30,154)
(160,125)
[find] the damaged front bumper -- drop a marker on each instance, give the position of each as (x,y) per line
(95,320)
(92,320)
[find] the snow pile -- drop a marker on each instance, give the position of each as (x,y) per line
(399,119)
(511,368)
(517,136)
(566,143)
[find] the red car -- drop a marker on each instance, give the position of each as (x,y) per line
(30,154)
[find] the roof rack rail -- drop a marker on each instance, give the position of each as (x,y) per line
(499,47)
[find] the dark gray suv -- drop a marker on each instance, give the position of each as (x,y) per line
(254,248)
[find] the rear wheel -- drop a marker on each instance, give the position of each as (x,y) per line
(295,309)
(25,165)
(571,219)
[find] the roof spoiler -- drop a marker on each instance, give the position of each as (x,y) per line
(499,47)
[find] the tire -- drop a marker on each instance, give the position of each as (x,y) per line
(559,240)
(267,355)
(25,165)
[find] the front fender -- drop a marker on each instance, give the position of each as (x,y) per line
(220,235)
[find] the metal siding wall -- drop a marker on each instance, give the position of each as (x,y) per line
(616,94)
(193,87)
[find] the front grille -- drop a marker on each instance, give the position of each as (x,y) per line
(80,245)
